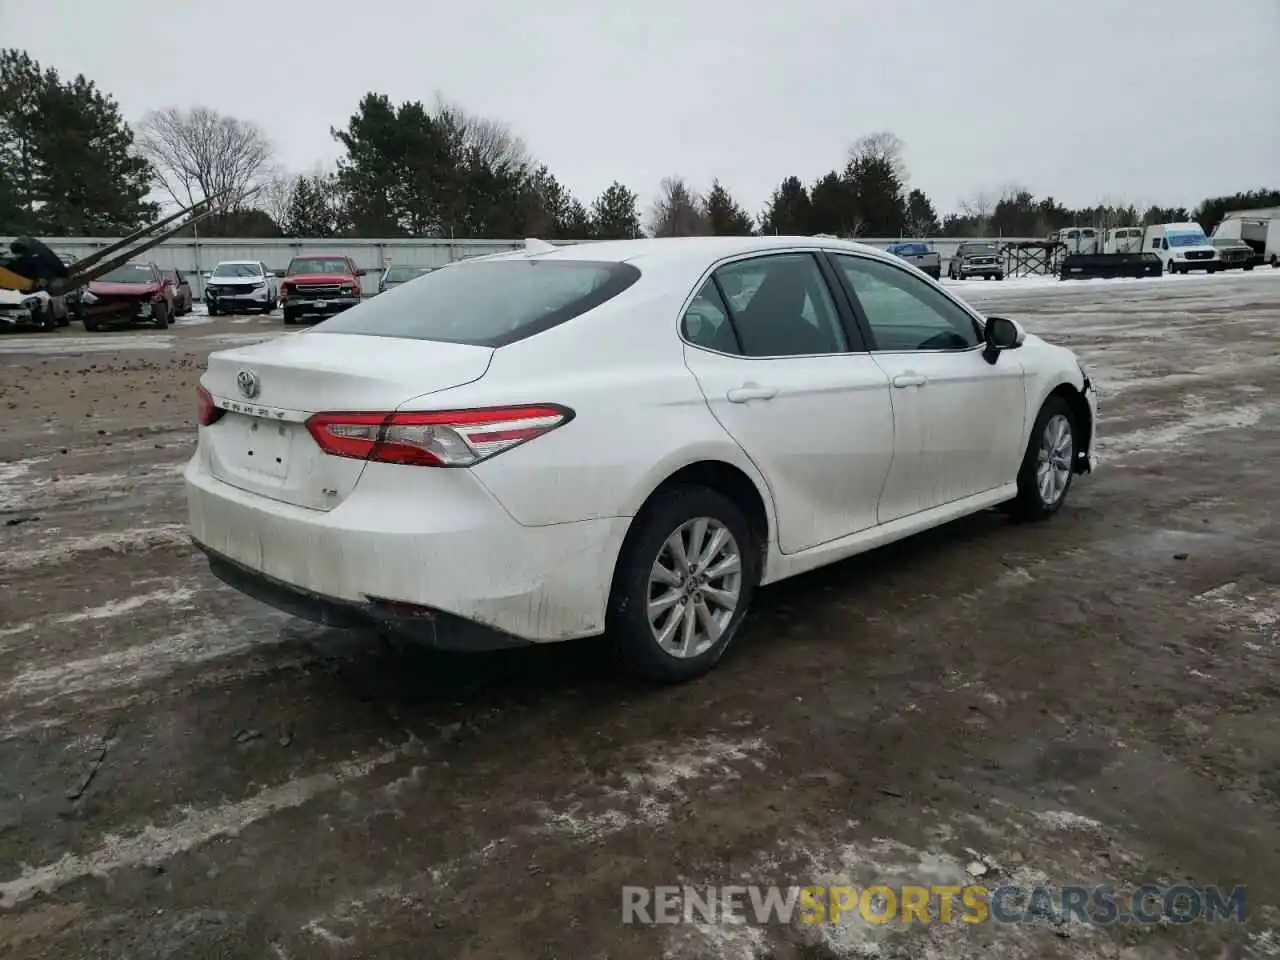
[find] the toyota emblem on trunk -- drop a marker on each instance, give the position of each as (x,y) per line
(247,381)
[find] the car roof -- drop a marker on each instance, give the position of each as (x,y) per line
(656,254)
(238,263)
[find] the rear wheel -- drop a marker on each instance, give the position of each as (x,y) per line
(684,581)
(1048,465)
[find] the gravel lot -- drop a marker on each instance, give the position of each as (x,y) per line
(185,773)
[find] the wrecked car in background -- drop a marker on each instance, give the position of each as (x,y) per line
(131,293)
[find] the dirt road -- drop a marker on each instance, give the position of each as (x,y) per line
(185,773)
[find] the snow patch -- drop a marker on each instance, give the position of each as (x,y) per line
(1066,820)
(193,828)
(1149,439)
(652,790)
(121,541)
(202,640)
(177,596)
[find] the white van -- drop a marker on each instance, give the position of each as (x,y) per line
(1124,240)
(1260,229)
(1182,247)
(1079,239)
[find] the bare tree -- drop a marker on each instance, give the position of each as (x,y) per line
(883,146)
(200,153)
(979,208)
(490,141)
(678,211)
(276,193)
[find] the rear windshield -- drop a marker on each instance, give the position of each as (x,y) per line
(487,304)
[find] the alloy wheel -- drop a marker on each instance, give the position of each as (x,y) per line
(1053,462)
(695,587)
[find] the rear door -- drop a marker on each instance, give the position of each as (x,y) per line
(789,380)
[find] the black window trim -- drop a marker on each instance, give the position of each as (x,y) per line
(855,342)
(868,334)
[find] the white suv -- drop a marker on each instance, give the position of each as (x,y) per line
(240,286)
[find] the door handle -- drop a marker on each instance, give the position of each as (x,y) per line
(751,391)
(909,380)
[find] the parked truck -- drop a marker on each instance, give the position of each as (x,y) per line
(918,254)
(1260,229)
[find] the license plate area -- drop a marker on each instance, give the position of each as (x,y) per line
(320,304)
(257,445)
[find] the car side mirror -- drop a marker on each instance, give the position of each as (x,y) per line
(1001,334)
(362,272)
(277,273)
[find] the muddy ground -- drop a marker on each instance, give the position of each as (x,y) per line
(186,773)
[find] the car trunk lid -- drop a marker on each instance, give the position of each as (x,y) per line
(269,390)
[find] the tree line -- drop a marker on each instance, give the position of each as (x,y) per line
(70,165)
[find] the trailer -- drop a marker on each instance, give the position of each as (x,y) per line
(1260,229)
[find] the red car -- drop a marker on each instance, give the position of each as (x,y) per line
(131,293)
(319,286)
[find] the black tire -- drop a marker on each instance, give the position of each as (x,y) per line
(628,621)
(160,315)
(90,326)
(1030,504)
(289,318)
(213,311)
(999,276)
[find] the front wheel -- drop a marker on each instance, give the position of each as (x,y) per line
(161,315)
(684,581)
(1049,463)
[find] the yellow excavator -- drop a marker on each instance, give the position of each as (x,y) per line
(31,268)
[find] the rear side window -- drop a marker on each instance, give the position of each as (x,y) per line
(488,304)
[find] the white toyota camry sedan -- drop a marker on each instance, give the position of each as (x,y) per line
(621,438)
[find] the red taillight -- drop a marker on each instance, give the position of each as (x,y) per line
(439,438)
(206,411)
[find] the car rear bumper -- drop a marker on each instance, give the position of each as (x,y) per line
(439,561)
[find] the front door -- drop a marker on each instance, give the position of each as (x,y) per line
(958,419)
(766,343)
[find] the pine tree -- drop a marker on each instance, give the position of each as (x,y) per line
(723,215)
(66,160)
(615,214)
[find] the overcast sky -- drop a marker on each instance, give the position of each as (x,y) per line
(1142,100)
